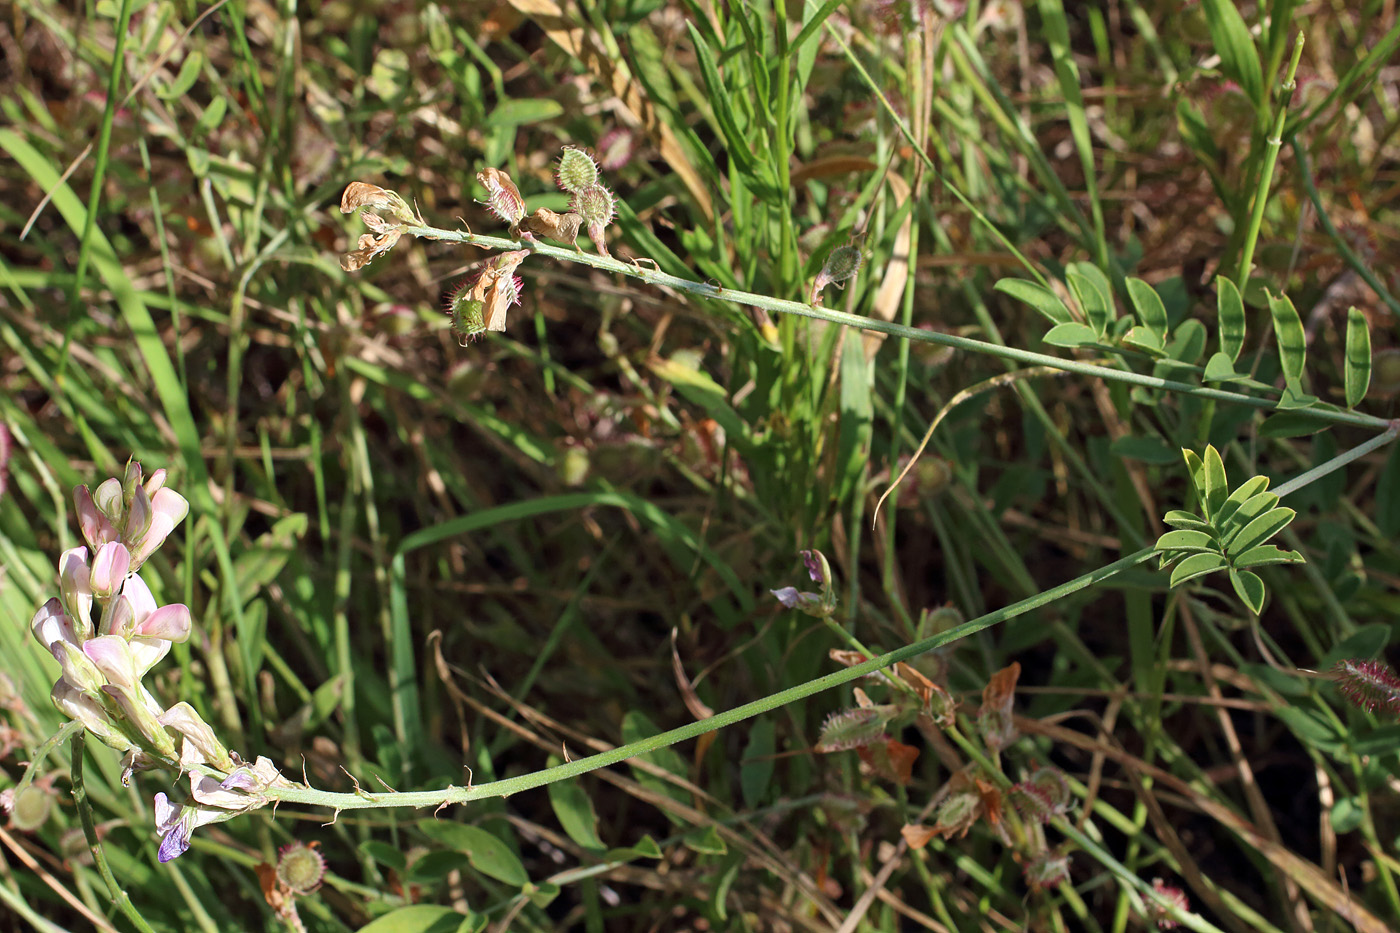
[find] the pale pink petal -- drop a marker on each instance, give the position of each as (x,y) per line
(171,623)
(146,653)
(109,569)
(109,498)
(75,586)
(142,602)
(52,625)
(113,657)
(138,520)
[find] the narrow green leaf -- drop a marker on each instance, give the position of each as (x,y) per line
(1038,297)
(1188,520)
(1239,59)
(1292,400)
(1261,529)
(1186,540)
(1266,554)
(487,853)
(1229,309)
(1149,307)
(646,847)
(418,918)
(1366,642)
(857,418)
(1242,493)
(1245,513)
(1214,482)
(1197,471)
(1358,363)
(1292,341)
(1140,338)
(1091,288)
(1291,424)
(189,74)
(1188,341)
(1219,368)
(809,29)
(739,147)
(706,841)
(1071,335)
(1197,565)
(212,116)
(523,111)
(1249,588)
(574,810)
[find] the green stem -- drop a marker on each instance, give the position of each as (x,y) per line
(94,844)
(1266,175)
(504,788)
(784,306)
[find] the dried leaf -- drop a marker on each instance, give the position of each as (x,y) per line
(916,836)
(890,759)
(561,227)
(360,194)
(994,718)
(370,246)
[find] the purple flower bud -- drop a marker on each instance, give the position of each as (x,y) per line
(816,565)
(168,509)
(138,521)
(109,569)
(792,598)
(96,527)
(75,586)
(131,479)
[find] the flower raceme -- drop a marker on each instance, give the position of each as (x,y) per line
(106,631)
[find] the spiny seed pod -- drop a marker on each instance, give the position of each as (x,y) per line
(1371,685)
(841,264)
(502,197)
(465,309)
(594,204)
(851,728)
(300,867)
(31,808)
(1158,912)
(577,171)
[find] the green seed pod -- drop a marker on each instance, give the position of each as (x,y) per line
(594,204)
(468,321)
(300,868)
(577,171)
(842,264)
(31,808)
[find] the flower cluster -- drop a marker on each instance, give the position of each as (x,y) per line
(106,631)
(817,605)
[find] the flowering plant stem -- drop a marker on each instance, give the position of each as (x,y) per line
(784,306)
(78,746)
(361,799)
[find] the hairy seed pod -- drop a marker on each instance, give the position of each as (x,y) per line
(577,171)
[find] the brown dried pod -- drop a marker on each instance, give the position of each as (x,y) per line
(503,198)
(370,246)
(561,227)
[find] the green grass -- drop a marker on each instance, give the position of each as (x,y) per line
(416,566)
